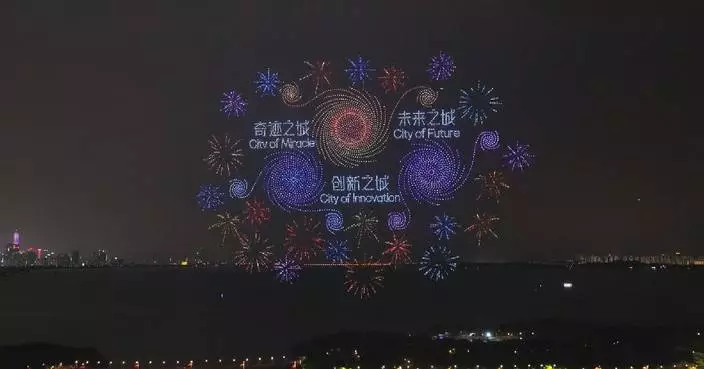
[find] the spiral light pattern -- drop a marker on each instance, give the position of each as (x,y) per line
(431,172)
(489,140)
(290,93)
(397,221)
(427,97)
(238,188)
(350,127)
(292,179)
(334,221)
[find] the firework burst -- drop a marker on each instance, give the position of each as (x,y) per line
(350,127)
(392,79)
(359,70)
(287,270)
(438,262)
(228,225)
(518,157)
(444,226)
(477,103)
(363,278)
(336,251)
(482,226)
(254,254)
(233,104)
(319,72)
(210,197)
(492,184)
(398,250)
(365,223)
(255,212)
(224,155)
(303,239)
(441,67)
(267,83)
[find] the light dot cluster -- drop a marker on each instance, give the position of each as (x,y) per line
(350,127)
(431,172)
(292,179)
(319,72)
(303,239)
(438,262)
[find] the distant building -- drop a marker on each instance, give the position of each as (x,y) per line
(75,258)
(99,258)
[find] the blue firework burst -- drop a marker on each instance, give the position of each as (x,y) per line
(431,172)
(267,83)
(210,197)
(233,104)
(287,270)
(518,157)
(438,262)
(444,226)
(476,103)
(441,67)
(336,251)
(359,70)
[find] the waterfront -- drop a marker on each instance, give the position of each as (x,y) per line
(195,313)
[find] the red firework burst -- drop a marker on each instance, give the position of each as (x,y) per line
(303,239)
(319,72)
(398,250)
(255,212)
(392,79)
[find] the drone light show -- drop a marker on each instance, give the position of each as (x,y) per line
(361,164)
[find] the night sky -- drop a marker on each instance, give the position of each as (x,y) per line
(106,108)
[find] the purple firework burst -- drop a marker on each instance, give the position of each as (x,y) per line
(441,67)
(233,104)
(518,157)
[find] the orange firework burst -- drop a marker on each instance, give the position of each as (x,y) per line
(482,227)
(493,185)
(363,278)
(255,253)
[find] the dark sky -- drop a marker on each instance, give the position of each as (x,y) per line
(106,108)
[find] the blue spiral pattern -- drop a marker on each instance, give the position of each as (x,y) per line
(431,172)
(489,140)
(238,188)
(397,221)
(292,179)
(334,221)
